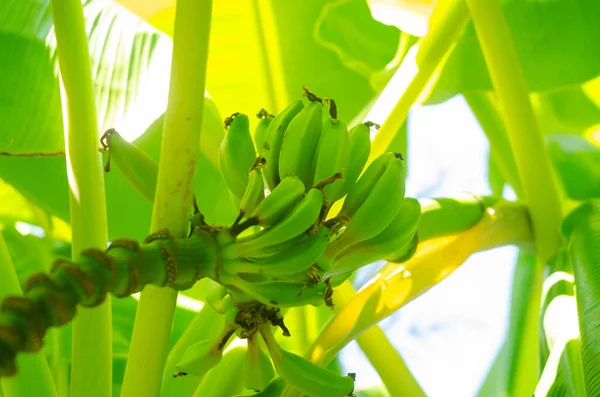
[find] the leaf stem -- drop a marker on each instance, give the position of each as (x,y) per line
(183,122)
(34,377)
(448,20)
(539,185)
(91,369)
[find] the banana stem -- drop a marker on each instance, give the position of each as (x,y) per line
(539,184)
(91,369)
(183,122)
(448,21)
(34,377)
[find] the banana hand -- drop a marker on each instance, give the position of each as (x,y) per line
(237,154)
(373,210)
(277,293)
(296,259)
(298,221)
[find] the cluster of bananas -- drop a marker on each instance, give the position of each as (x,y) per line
(288,247)
(251,321)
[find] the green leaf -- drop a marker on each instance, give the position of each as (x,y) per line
(555,41)
(581,228)
(263,52)
(129,64)
(577,162)
(568,110)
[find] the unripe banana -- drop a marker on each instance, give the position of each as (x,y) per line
(200,357)
(298,221)
(377,208)
(255,189)
(215,293)
(360,146)
(274,389)
(135,165)
(299,144)
(224,380)
(306,376)
(260,132)
(278,204)
(363,187)
(277,293)
(333,154)
(273,139)
(237,154)
(297,258)
(396,235)
(257,369)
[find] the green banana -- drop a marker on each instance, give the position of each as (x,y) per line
(260,132)
(257,369)
(372,211)
(281,200)
(392,242)
(200,357)
(298,221)
(237,154)
(361,189)
(135,165)
(274,389)
(304,375)
(273,139)
(298,258)
(215,293)
(446,216)
(359,138)
(255,189)
(280,294)
(400,230)
(213,384)
(299,144)
(333,154)
(347,264)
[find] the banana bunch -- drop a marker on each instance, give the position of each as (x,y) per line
(285,248)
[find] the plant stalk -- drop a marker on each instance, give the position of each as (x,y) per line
(539,184)
(91,367)
(447,22)
(180,142)
(389,364)
(34,377)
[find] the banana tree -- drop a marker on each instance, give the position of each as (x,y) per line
(176,252)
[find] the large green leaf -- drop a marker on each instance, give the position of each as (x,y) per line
(263,52)
(129,65)
(556,41)
(577,162)
(124,52)
(582,231)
